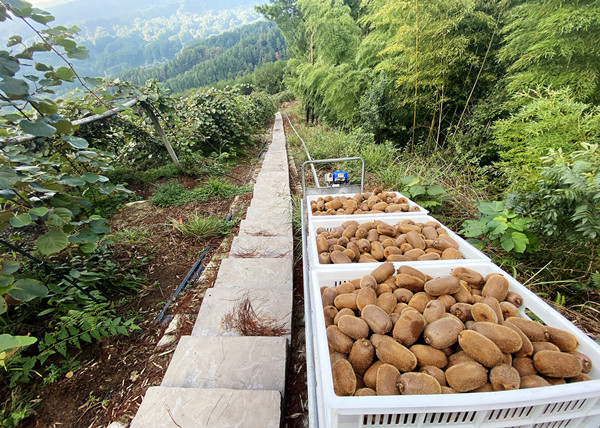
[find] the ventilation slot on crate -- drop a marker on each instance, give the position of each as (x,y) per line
(563,407)
(409,419)
(503,414)
(556,424)
(450,417)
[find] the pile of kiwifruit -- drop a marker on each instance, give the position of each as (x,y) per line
(404,332)
(376,241)
(362,203)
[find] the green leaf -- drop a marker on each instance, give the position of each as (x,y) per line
(8,177)
(87,248)
(417,190)
(473,228)
(491,208)
(42,67)
(6,280)
(86,235)
(52,242)
(8,341)
(21,220)
(507,242)
(60,216)
(8,268)
(520,223)
(71,181)
(86,337)
(3,305)
(39,128)
(14,88)
(78,53)
(96,334)
(42,19)
(435,190)
(91,177)
(14,40)
(39,211)
(17,4)
(65,73)
(520,241)
(76,142)
(8,65)
(28,289)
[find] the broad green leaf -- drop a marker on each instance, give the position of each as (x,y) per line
(87,154)
(8,268)
(417,190)
(491,208)
(86,235)
(71,181)
(21,220)
(520,241)
(496,227)
(507,242)
(8,341)
(91,177)
(42,67)
(3,305)
(435,190)
(14,88)
(39,128)
(87,248)
(17,4)
(520,223)
(66,43)
(6,280)
(473,228)
(52,242)
(78,53)
(28,289)
(8,177)
(65,73)
(42,19)
(14,40)
(45,106)
(39,211)
(76,142)
(60,216)
(86,337)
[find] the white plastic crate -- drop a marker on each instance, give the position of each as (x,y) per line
(569,405)
(411,204)
(470,253)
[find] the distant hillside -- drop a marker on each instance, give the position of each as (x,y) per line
(223,57)
(124,34)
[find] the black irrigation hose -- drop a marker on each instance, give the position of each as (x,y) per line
(51,269)
(191,272)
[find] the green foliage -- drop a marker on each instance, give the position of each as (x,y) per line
(500,226)
(133,176)
(568,196)
(546,120)
(17,408)
(428,195)
(202,227)
(173,193)
(132,235)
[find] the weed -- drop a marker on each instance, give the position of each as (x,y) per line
(133,235)
(202,227)
(17,408)
(134,176)
(173,193)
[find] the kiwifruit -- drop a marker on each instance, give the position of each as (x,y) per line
(418,383)
(372,236)
(495,305)
(329,312)
(451,254)
(387,380)
(483,313)
(387,302)
(368,281)
(377,250)
(361,355)
(403,295)
(360,383)
(544,346)
(504,377)
(322,245)
(409,327)
(507,358)
(443,332)
(443,243)
(361,232)
(344,288)
(334,356)
(532,381)
(419,301)
(554,380)
(448,390)
(414,238)
(535,331)
(429,356)
(386,229)
(463,295)
(391,352)
(480,348)
(514,298)
(344,379)
(582,377)
(370,376)
(367,258)
(475,279)
(338,257)
(345,301)
(383,272)
(524,365)
(394,317)
(447,300)
(436,372)
(341,313)
(324,258)
(527,348)
(428,257)
(496,286)
(384,288)
(377,319)
(566,342)
(505,338)
(366,296)
(485,388)
(364,245)
(414,254)
(433,311)
(462,311)
(399,307)
(364,392)
(557,364)
(459,357)
(408,270)
(467,376)
(343,241)
(409,282)
(328,296)
(508,310)
(442,285)
(338,340)
(586,362)
(353,327)
(350,229)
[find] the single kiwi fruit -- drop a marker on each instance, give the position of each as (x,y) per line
(508,310)
(409,327)
(365,392)
(447,300)
(462,311)
(329,312)
(433,311)
(403,295)
(368,281)
(378,320)
(436,372)
(505,338)
(459,357)
(366,296)
(370,376)
(535,331)
(586,362)
(544,346)
(361,356)
(442,285)
(495,305)
(418,383)
(391,352)
(483,313)
(383,272)
(524,365)
(527,348)
(557,364)
(344,288)
(341,313)
(387,302)
(328,296)
(353,327)
(514,298)
(496,286)
(466,376)
(387,380)
(582,377)
(420,300)
(504,377)
(475,279)
(345,301)
(429,356)
(443,332)
(566,342)
(480,348)
(344,379)
(338,340)
(533,381)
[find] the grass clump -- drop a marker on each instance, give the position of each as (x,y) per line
(202,227)
(173,193)
(133,235)
(132,176)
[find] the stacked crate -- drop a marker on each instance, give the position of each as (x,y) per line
(568,405)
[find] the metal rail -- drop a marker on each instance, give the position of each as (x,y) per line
(312,162)
(314,171)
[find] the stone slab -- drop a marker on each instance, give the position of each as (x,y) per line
(255,273)
(272,177)
(261,246)
(208,408)
(281,210)
(265,227)
(245,362)
(218,302)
